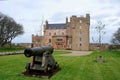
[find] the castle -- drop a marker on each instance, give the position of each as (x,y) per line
(73,34)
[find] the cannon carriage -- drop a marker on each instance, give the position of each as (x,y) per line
(41,59)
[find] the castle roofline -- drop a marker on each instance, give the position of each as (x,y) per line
(56,26)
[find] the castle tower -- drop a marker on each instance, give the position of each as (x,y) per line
(79,31)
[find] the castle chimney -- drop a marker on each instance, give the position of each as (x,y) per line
(88,18)
(46,22)
(66,19)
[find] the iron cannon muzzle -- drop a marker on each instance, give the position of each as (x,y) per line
(38,51)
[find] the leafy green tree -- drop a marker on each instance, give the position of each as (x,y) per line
(9,29)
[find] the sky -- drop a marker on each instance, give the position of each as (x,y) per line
(31,13)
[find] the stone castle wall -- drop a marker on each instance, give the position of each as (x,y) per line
(79,31)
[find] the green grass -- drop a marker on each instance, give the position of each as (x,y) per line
(73,68)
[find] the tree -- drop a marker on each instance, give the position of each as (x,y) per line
(116,37)
(9,29)
(100,31)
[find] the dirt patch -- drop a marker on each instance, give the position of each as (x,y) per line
(77,53)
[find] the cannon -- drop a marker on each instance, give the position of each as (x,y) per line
(42,59)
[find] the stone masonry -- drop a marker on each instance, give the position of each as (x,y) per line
(73,34)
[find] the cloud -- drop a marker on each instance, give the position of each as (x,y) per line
(26,38)
(30,14)
(109,1)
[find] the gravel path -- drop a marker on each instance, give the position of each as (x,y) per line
(11,53)
(73,53)
(77,53)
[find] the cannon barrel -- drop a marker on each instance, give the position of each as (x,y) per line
(38,51)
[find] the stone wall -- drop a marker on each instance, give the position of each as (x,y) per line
(49,33)
(37,41)
(80,32)
(95,46)
(26,45)
(59,42)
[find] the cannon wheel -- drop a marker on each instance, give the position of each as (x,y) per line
(48,69)
(27,67)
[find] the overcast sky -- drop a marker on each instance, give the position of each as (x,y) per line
(30,14)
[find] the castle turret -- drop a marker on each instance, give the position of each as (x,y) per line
(88,19)
(80,32)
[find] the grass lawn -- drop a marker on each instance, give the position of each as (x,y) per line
(73,68)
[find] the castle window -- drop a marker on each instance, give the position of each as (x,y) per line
(38,40)
(49,40)
(80,27)
(80,39)
(68,28)
(80,44)
(54,33)
(49,34)
(80,21)
(62,33)
(73,27)
(80,34)
(59,40)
